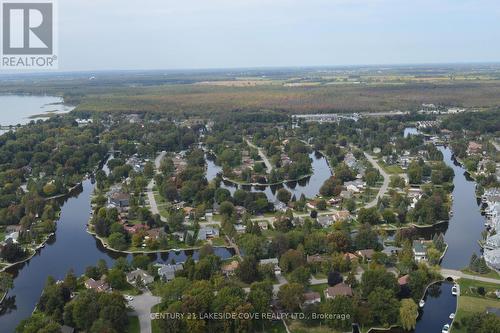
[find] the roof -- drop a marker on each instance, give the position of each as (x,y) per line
(273,261)
(404,280)
(230,267)
(99,284)
(311,296)
(367,253)
(139,273)
(168,271)
(419,246)
(340,289)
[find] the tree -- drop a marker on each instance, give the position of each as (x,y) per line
(118,241)
(260,296)
(366,238)
(6,282)
(38,322)
(378,278)
(301,275)
(408,313)
(247,271)
(338,305)
(284,195)
(291,296)
(369,215)
(116,279)
(384,307)
(334,278)
(291,260)
(226,208)
(321,205)
(350,205)
(12,252)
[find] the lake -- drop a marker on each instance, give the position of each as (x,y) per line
(18,109)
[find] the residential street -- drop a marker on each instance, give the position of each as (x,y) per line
(269,166)
(149,189)
(385,185)
(142,305)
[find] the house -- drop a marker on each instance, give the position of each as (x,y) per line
(154,233)
(474,148)
(419,250)
(206,233)
(229,269)
(341,215)
(311,298)
(366,254)
(325,220)
(119,199)
(316,258)
(346,194)
(404,280)
(240,228)
(99,285)
(263,225)
(179,235)
(13,236)
(167,272)
(272,261)
(350,256)
(391,250)
(135,228)
(340,289)
(139,275)
(492,242)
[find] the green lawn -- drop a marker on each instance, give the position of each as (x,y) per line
(391,169)
(470,302)
(491,274)
(133,325)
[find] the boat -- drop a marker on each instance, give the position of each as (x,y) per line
(421,303)
(446,328)
(455,289)
(452,315)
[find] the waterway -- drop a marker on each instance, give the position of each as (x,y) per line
(461,234)
(308,186)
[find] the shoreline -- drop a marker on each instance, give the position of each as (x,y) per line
(235,182)
(107,247)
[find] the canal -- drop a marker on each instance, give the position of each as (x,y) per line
(70,248)
(309,186)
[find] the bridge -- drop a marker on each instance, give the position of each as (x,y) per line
(455,275)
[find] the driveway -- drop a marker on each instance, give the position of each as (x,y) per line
(142,305)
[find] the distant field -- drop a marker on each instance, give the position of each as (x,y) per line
(287,90)
(209,99)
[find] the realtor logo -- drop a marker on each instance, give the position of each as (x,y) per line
(28,35)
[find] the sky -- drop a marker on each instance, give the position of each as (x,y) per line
(193,34)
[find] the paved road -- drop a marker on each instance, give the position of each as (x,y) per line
(142,305)
(385,185)
(149,188)
(458,274)
(268,164)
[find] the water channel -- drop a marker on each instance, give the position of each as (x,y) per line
(73,248)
